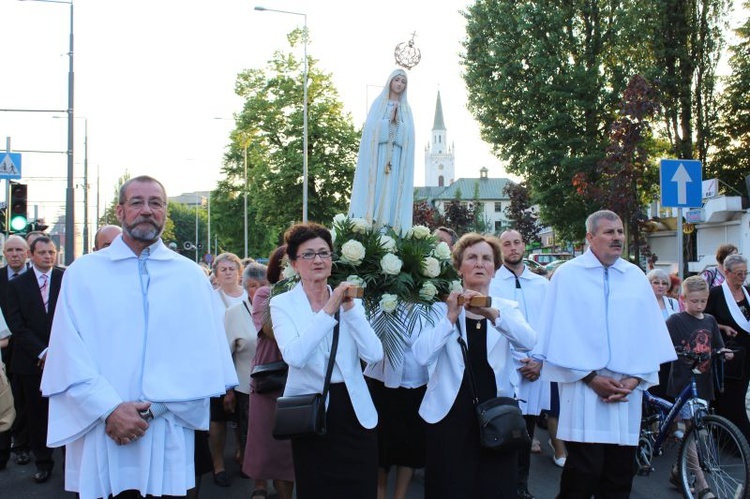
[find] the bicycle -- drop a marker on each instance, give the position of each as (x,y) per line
(712,445)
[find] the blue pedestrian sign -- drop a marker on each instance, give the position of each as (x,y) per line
(681,183)
(10,165)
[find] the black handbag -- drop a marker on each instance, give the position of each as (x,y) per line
(305,415)
(502,427)
(268,378)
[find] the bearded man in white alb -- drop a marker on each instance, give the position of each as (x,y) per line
(136,351)
(603,338)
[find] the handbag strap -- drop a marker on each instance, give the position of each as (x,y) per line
(332,357)
(465,352)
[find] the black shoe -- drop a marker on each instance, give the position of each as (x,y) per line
(22,457)
(524,494)
(222,479)
(42,476)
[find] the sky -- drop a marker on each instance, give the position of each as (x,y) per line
(155,79)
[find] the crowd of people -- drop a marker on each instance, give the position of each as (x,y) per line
(96,364)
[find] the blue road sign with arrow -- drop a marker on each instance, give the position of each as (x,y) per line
(681,183)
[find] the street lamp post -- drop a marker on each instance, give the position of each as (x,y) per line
(85,182)
(244,189)
(69,191)
(304,110)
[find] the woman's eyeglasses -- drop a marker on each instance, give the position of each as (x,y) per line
(310,255)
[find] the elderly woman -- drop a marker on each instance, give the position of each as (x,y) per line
(242,338)
(661,283)
(265,457)
(343,462)
(227,270)
(457,465)
(730,306)
(715,276)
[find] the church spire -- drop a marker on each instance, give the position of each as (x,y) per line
(439,123)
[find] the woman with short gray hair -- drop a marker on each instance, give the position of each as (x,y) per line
(730,305)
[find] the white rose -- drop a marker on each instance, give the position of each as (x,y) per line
(419,232)
(289,272)
(391,264)
(360,225)
(339,218)
(388,243)
(428,291)
(356,280)
(442,251)
(333,234)
(388,303)
(353,252)
(430,267)
(456,286)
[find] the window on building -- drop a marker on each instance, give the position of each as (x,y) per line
(441,181)
(498,206)
(498,225)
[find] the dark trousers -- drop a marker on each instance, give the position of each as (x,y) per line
(524,455)
(604,471)
(37,409)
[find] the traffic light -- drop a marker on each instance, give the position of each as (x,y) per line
(18,207)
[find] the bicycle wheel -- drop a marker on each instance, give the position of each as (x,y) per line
(720,454)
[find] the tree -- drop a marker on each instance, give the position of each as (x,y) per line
(625,175)
(269,128)
(545,77)
(521,212)
(183,219)
(426,214)
(731,162)
(688,38)
(459,217)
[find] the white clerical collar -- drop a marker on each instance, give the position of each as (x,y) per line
(590,260)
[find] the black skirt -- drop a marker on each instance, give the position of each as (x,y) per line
(401,437)
(344,462)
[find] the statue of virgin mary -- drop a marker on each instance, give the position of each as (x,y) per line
(383,190)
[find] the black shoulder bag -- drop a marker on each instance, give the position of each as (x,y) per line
(304,415)
(501,424)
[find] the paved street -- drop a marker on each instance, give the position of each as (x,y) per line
(16,482)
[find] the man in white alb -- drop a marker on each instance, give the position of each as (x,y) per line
(514,281)
(137,350)
(603,338)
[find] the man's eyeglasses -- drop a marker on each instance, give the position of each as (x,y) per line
(310,255)
(138,204)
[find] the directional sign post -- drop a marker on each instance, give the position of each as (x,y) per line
(681,183)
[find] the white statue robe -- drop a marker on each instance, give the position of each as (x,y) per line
(103,352)
(606,322)
(533,396)
(382,197)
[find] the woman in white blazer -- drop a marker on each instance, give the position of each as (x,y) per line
(344,462)
(456,464)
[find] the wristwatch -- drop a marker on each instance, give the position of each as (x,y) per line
(146,415)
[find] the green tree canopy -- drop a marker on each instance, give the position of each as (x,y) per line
(270,131)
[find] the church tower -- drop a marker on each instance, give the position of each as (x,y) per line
(439,157)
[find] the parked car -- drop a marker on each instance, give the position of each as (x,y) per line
(552,266)
(531,264)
